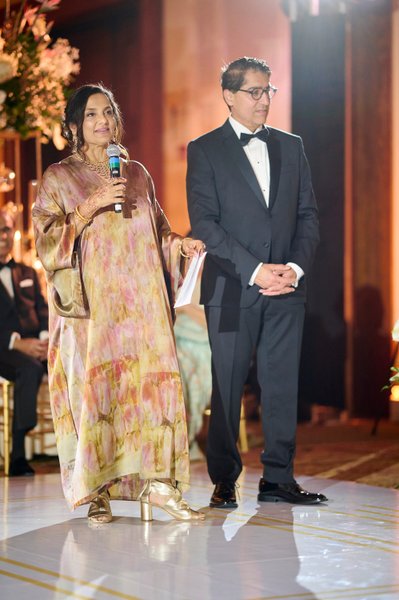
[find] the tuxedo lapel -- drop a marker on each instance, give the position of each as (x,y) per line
(238,156)
(16,278)
(274,150)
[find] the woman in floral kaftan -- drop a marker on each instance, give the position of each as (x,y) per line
(115,386)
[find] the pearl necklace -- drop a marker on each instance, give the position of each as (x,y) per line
(101,168)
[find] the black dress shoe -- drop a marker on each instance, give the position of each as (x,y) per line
(20,467)
(287,492)
(224,495)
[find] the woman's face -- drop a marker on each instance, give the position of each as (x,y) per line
(99,124)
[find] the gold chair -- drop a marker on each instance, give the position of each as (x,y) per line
(5,423)
(42,436)
(243,438)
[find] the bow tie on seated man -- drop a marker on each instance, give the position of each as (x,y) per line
(262,135)
(23,340)
(9,263)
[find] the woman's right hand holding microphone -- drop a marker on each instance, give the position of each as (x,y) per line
(110,192)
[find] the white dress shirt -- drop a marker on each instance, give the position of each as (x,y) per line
(6,280)
(258,156)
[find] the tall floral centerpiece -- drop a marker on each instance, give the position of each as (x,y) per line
(35,71)
(394,380)
(393,384)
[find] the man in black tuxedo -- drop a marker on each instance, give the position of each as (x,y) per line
(23,340)
(251,201)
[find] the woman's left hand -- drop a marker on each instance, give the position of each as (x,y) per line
(190,247)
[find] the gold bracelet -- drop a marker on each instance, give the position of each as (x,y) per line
(81,217)
(181,248)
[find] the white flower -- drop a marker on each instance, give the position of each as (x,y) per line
(60,61)
(8,67)
(395,332)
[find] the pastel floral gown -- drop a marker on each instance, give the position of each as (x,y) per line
(115,387)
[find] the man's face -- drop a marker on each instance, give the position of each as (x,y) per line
(244,109)
(6,236)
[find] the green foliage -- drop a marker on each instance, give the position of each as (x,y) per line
(394,380)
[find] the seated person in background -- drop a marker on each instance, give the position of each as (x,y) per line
(23,340)
(194,354)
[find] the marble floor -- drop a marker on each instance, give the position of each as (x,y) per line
(346,549)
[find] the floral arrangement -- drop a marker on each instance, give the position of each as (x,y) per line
(394,380)
(34,71)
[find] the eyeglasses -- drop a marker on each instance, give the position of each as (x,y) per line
(258,92)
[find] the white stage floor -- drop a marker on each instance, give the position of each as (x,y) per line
(344,550)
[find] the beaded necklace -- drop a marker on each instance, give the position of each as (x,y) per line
(101,168)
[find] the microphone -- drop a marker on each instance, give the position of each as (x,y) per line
(113,153)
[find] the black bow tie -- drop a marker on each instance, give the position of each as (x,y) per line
(262,135)
(9,264)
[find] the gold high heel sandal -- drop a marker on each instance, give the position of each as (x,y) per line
(100,509)
(171,502)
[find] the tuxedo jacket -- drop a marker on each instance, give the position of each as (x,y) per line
(27,313)
(228,212)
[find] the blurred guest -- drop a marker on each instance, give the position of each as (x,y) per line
(114,378)
(194,356)
(23,340)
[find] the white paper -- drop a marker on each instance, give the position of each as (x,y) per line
(186,291)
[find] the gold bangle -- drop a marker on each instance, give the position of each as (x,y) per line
(81,217)
(181,248)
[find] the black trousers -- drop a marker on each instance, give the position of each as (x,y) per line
(273,327)
(26,372)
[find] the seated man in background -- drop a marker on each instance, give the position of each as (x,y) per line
(23,340)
